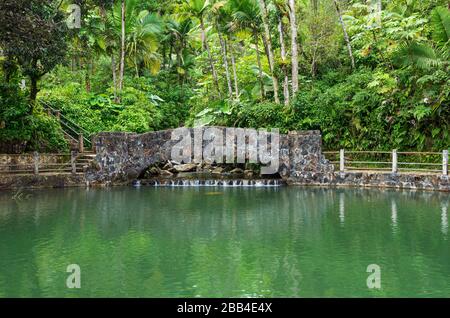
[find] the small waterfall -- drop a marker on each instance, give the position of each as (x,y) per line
(210,183)
(136,183)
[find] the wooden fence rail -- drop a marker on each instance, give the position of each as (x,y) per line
(347,161)
(350,161)
(35,163)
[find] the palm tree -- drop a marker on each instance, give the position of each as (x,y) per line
(142,40)
(233,65)
(87,43)
(294,45)
(220,21)
(178,32)
(198,9)
(122,44)
(344,30)
(270,54)
(139,31)
(247,15)
(109,39)
(230,35)
(283,11)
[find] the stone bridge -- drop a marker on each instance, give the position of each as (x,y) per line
(122,157)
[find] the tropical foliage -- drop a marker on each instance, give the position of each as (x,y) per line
(368,74)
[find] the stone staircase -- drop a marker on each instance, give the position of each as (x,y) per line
(83,160)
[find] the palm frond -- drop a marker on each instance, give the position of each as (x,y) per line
(420,55)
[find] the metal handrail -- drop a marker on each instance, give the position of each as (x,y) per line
(47,105)
(70,125)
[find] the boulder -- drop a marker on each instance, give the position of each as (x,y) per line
(166,173)
(154,170)
(237,171)
(248,173)
(187,167)
(218,170)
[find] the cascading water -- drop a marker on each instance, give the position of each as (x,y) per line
(211,183)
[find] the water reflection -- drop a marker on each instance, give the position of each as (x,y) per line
(166,242)
(444,219)
(394,215)
(341,208)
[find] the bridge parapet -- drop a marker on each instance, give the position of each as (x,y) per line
(121,157)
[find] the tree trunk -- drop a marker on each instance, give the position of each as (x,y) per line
(179,75)
(284,58)
(270,55)
(380,8)
(315,40)
(33,91)
(258,58)
(87,76)
(88,80)
(294,46)
(347,39)
(225,60)
(170,55)
(113,68)
(211,63)
(233,64)
(164,55)
(136,68)
(122,49)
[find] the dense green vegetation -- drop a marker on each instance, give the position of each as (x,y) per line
(369,74)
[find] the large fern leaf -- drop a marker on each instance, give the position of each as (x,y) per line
(420,55)
(440,21)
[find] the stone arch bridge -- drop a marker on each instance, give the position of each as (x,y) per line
(122,157)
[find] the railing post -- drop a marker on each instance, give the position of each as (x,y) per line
(36,162)
(341,160)
(394,161)
(73,159)
(58,115)
(80,143)
(445,162)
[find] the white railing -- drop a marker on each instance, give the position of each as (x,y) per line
(390,161)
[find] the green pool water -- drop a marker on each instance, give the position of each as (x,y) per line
(224,242)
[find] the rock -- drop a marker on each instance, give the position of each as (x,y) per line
(166,173)
(237,171)
(248,173)
(218,170)
(172,170)
(154,171)
(187,167)
(208,167)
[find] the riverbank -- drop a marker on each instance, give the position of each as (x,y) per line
(416,181)
(409,181)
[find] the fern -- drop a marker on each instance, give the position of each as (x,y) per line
(417,54)
(440,22)
(425,56)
